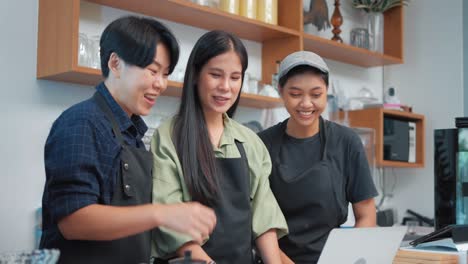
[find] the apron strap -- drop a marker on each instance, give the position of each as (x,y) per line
(323,138)
(276,146)
(256,258)
(108,112)
(241,149)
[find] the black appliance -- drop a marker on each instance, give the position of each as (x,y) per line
(445,171)
(451,175)
(399,140)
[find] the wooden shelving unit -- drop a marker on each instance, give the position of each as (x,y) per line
(188,13)
(249,100)
(374,118)
(57,56)
(393,45)
(348,54)
(58,38)
(89,76)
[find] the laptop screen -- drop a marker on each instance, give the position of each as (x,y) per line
(362,245)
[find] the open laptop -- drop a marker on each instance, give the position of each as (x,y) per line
(373,245)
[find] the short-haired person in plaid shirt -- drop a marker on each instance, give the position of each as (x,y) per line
(97,198)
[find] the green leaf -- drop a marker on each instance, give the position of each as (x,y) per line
(378,5)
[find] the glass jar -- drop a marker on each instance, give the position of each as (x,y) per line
(375,28)
(230,6)
(95,57)
(360,38)
(83,50)
(248,8)
(210,3)
(267,11)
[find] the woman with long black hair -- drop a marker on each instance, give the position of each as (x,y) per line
(203,155)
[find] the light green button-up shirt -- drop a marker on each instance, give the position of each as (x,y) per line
(169,185)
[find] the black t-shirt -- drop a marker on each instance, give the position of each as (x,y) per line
(299,153)
(344,149)
(352,180)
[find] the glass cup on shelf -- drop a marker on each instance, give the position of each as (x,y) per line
(245,83)
(180,75)
(83,50)
(177,75)
(253,85)
(360,38)
(95,61)
(173,75)
(268,90)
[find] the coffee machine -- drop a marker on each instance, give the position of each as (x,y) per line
(451,175)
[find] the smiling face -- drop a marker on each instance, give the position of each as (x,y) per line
(219,83)
(138,87)
(305,98)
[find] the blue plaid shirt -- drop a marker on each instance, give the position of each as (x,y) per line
(82,160)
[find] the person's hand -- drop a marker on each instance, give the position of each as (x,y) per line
(193,219)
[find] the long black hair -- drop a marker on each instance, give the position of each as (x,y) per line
(190,133)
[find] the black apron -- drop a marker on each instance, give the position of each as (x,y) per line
(231,240)
(133,186)
(308,200)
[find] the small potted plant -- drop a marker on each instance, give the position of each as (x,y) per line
(378,6)
(375,10)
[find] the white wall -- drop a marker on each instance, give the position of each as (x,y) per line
(430,81)
(465,55)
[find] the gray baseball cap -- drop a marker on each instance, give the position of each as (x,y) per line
(301,58)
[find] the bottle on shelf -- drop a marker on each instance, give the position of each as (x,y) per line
(332,102)
(248,8)
(230,6)
(267,11)
(274,77)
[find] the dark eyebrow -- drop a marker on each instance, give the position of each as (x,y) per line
(317,88)
(299,89)
(295,89)
(218,69)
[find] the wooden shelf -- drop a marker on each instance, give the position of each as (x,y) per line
(374,118)
(58,29)
(79,75)
(400,164)
(346,53)
(393,45)
(90,76)
(278,40)
(186,12)
(248,100)
(260,101)
(58,40)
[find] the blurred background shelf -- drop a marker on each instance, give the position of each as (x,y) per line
(57,56)
(374,118)
(346,53)
(90,76)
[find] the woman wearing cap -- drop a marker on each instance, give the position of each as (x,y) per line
(318,166)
